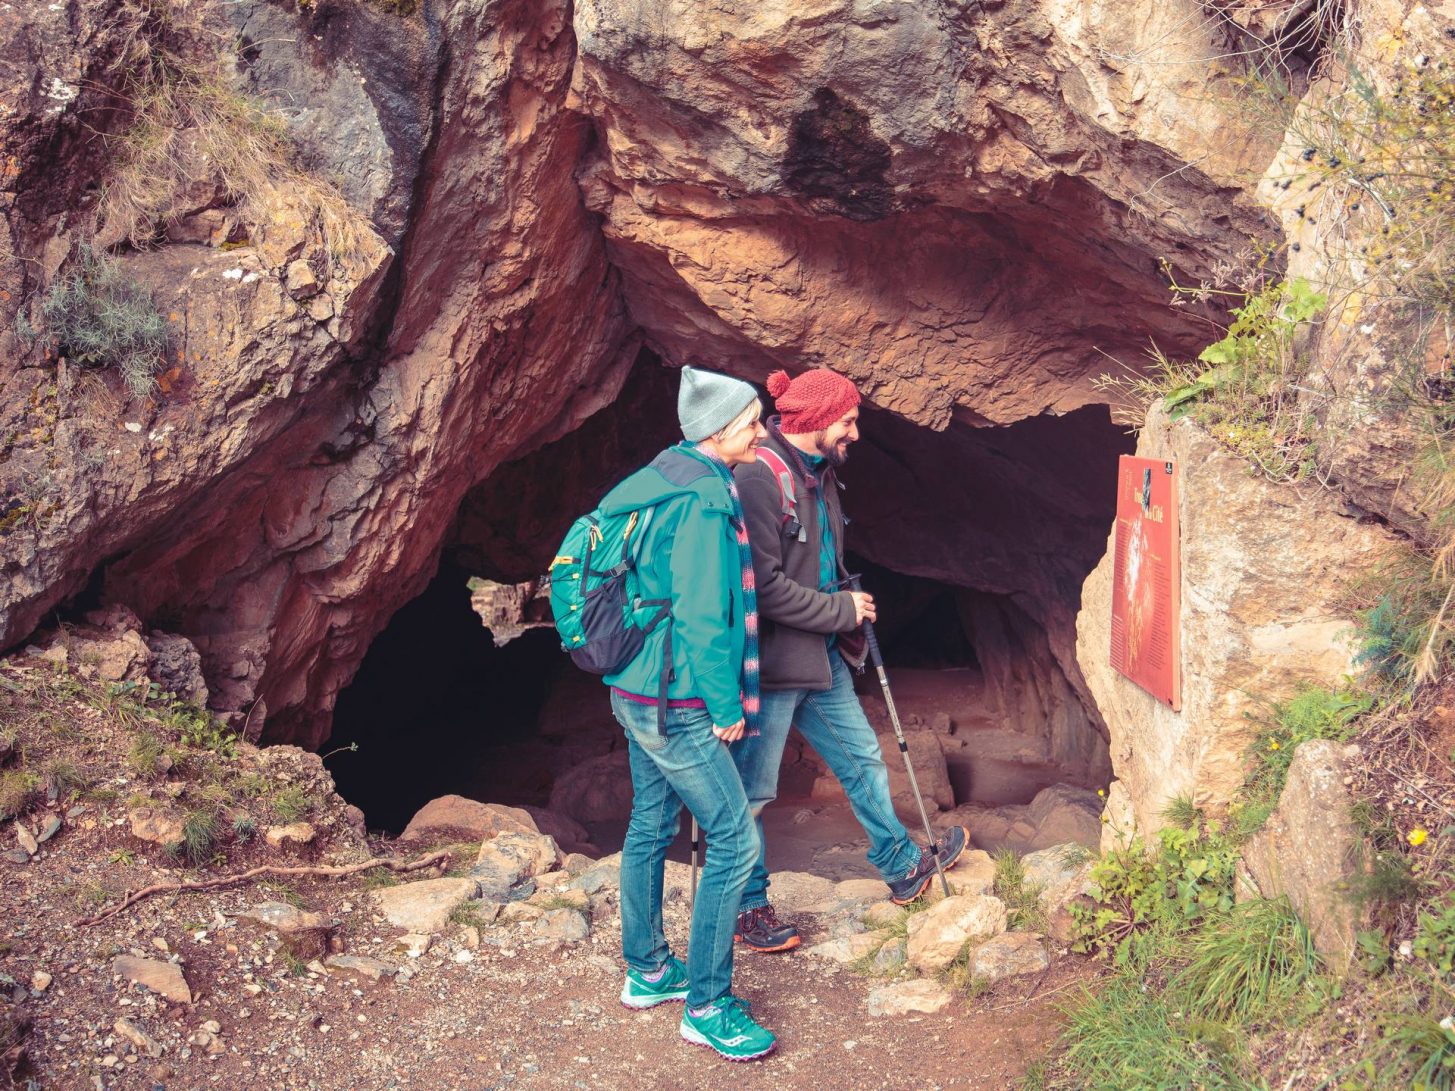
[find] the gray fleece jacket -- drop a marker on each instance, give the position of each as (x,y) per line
(795,616)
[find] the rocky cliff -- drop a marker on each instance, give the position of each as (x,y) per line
(966,207)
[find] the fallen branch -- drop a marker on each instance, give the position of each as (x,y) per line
(222,881)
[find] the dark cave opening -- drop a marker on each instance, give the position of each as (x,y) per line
(974,541)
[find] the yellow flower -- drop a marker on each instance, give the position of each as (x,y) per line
(1101,792)
(1417,836)
(1274,745)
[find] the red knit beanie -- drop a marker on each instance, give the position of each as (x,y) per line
(813,401)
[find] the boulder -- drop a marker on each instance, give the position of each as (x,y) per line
(1009,954)
(507,859)
(890,957)
(456,816)
(597,790)
(919,994)
(973,873)
(1062,875)
(143,1041)
(425,906)
(293,834)
(884,914)
(176,666)
(847,949)
(1265,610)
(163,978)
(561,926)
(1309,849)
(570,835)
(304,933)
(860,890)
(930,770)
(939,934)
(1064,813)
(601,875)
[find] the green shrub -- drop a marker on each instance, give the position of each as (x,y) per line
(1022,901)
(146,750)
(99,317)
(1189,878)
(200,831)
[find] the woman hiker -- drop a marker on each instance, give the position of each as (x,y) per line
(694,553)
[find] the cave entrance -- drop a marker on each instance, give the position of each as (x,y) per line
(975,541)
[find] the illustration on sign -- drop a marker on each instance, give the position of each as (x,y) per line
(1145,629)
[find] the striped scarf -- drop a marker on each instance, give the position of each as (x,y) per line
(751,663)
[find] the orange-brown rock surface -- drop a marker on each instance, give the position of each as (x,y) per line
(959,205)
(965,207)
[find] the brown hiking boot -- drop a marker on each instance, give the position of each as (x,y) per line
(761,930)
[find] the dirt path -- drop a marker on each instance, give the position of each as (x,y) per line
(503,1014)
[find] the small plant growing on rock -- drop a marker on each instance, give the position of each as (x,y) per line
(19,792)
(1435,941)
(1022,901)
(291,803)
(99,317)
(200,831)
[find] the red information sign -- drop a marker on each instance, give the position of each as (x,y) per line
(1146,574)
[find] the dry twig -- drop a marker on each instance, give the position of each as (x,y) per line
(222,881)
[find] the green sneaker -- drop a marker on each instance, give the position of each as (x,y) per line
(726,1026)
(640,993)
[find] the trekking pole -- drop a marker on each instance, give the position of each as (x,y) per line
(878,661)
(692,898)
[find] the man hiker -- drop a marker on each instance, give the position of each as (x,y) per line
(790,496)
(688,693)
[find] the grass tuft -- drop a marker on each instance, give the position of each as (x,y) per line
(101,318)
(1259,955)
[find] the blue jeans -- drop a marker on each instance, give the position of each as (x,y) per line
(834,724)
(689,765)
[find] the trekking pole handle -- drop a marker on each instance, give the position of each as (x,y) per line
(851,582)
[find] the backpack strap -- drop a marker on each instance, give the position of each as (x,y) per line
(787,498)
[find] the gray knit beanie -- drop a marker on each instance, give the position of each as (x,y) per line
(707,402)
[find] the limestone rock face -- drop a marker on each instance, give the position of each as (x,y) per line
(1264,570)
(1309,849)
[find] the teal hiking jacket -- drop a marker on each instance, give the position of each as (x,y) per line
(690,553)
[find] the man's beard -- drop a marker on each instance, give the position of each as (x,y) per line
(834,454)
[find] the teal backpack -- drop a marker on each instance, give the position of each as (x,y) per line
(594,590)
